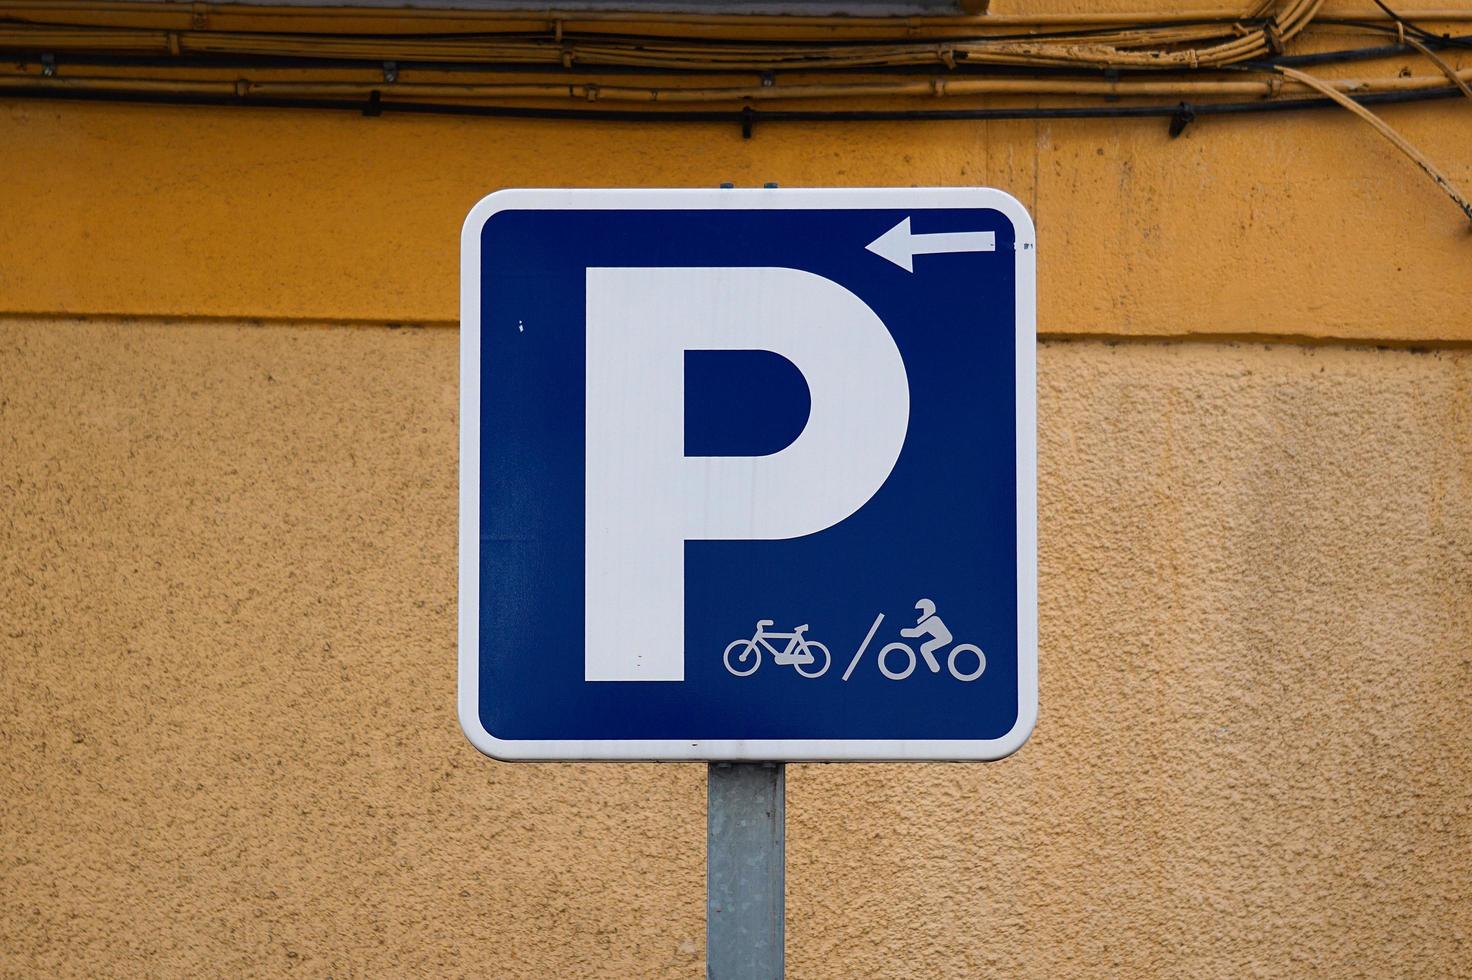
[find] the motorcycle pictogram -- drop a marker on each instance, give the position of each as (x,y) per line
(927,624)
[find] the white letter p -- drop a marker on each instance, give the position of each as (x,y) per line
(645,498)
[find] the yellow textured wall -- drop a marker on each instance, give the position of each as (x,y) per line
(228,672)
(227,568)
(1305,225)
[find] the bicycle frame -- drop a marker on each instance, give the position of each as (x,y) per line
(794,650)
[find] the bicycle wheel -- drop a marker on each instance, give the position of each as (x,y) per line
(821,661)
(748,649)
(980,662)
(897,675)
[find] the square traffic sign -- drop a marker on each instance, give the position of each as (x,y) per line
(748,474)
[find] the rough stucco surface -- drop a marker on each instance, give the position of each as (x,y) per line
(254,213)
(227,562)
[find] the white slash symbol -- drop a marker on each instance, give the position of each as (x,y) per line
(899,246)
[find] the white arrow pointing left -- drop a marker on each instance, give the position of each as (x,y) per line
(899,246)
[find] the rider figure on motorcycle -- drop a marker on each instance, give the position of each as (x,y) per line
(929,623)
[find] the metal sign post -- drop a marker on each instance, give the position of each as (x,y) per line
(745,879)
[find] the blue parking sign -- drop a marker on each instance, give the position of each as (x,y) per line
(748,474)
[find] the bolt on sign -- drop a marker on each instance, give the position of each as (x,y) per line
(748,474)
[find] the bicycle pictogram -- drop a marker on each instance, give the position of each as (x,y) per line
(800,653)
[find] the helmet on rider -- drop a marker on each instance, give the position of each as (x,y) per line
(927,609)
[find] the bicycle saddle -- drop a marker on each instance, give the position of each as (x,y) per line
(763,623)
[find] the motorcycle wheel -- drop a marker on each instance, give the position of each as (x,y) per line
(980,662)
(897,675)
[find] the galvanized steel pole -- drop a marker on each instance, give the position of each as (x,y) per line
(745,873)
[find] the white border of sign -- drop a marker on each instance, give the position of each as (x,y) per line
(793,750)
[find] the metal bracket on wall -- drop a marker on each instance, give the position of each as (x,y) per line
(1185,115)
